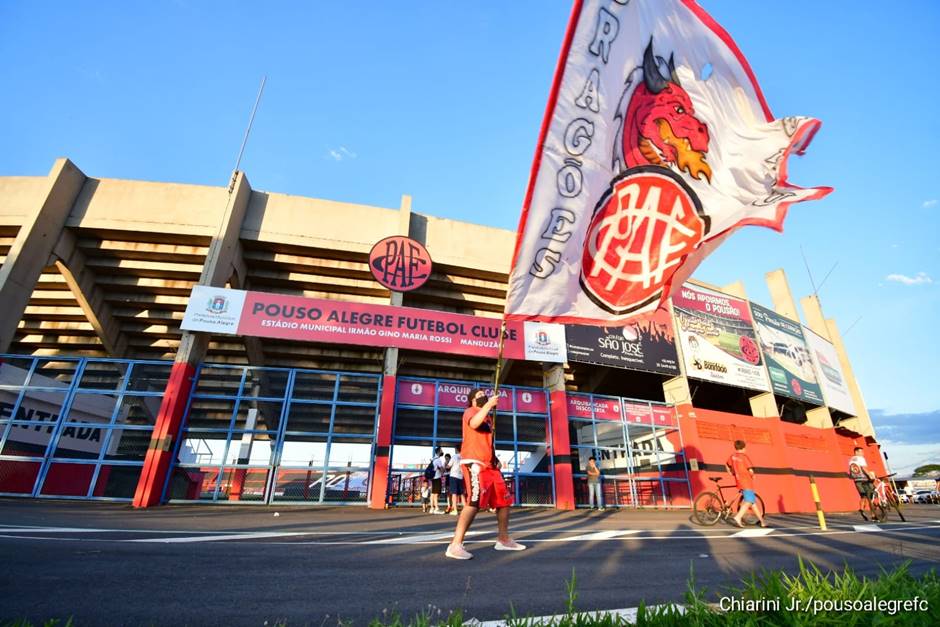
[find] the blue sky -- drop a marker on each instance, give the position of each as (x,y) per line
(443,101)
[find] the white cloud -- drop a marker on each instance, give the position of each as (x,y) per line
(922,278)
(927,204)
(340,154)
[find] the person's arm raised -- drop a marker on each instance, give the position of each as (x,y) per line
(479,417)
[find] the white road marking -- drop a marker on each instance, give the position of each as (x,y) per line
(53,530)
(432,537)
(752,533)
(599,535)
(867,528)
(228,536)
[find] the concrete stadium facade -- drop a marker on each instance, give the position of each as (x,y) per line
(96,275)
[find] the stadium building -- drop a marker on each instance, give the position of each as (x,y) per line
(324,386)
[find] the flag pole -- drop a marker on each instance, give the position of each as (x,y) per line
(499,366)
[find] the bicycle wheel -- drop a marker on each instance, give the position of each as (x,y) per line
(750,518)
(707,508)
(895,502)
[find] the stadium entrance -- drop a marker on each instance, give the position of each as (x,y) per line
(639,450)
(428,415)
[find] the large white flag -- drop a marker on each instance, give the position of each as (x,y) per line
(657,144)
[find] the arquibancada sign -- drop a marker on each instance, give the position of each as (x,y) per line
(260,314)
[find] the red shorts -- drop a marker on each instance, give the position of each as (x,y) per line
(485,487)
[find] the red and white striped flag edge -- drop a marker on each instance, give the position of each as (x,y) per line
(656,145)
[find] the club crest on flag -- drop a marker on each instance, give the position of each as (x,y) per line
(657,144)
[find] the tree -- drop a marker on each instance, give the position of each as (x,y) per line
(927,469)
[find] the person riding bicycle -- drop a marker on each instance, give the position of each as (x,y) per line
(741,467)
(864,481)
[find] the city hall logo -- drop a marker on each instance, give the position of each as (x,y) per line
(217,305)
(400,263)
(542,339)
(649,219)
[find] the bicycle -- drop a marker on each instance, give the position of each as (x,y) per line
(884,498)
(710,507)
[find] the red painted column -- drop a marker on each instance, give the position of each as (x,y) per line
(561,451)
(159,456)
(378,496)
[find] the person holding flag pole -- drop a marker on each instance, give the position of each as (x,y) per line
(483,479)
(657,144)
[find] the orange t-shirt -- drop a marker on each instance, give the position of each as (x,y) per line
(477,443)
(740,465)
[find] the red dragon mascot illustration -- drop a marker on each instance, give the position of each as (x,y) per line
(660,127)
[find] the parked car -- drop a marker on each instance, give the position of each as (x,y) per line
(903,496)
(924,496)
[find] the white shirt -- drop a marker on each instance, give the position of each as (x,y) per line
(455,470)
(438,467)
(862,465)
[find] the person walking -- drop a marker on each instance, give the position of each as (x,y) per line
(437,463)
(864,481)
(455,490)
(741,467)
(482,478)
(594,484)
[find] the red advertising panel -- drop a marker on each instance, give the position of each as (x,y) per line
(645,414)
(422,393)
(600,408)
(320,320)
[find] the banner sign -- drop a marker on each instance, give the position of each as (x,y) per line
(717,338)
(829,373)
(647,342)
(657,144)
(608,408)
(259,314)
(426,394)
(788,360)
(603,408)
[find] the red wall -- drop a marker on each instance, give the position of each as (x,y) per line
(784,455)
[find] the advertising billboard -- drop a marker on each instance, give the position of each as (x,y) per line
(829,373)
(647,342)
(717,338)
(788,360)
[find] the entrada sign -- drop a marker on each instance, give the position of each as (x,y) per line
(400,263)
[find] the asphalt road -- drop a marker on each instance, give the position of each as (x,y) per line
(106,564)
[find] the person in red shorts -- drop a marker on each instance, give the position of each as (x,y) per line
(483,481)
(739,465)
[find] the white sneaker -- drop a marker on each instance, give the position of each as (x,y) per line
(453,512)
(458,552)
(512,545)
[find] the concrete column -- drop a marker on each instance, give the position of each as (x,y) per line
(735,289)
(764,405)
(34,244)
(781,295)
(553,376)
(216,271)
(862,421)
(378,490)
(814,315)
(676,391)
(820,418)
